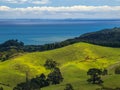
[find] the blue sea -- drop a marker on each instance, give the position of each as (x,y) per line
(37,31)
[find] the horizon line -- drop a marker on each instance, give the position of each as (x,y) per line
(60,19)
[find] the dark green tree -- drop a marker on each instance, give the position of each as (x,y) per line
(39,82)
(33,84)
(1,88)
(117,70)
(95,76)
(10,49)
(69,87)
(50,64)
(55,77)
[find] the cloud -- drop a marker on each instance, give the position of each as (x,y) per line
(61,12)
(26,1)
(4,8)
(40,2)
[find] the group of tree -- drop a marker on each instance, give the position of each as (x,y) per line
(10,48)
(11,44)
(53,78)
(95,75)
(33,84)
(106,37)
(51,46)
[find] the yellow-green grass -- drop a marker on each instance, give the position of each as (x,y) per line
(74,61)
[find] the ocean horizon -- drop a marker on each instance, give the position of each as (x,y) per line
(43,31)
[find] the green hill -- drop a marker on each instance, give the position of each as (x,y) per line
(74,61)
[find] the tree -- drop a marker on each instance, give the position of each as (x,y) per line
(39,82)
(69,87)
(23,86)
(55,77)
(117,70)
(50,64)
(33,84)
(95,76)
(1,88)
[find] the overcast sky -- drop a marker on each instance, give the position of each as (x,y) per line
(59,9)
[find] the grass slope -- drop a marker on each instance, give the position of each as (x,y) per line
(74,61)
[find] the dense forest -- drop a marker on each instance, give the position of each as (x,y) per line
(106,37)
(10,49)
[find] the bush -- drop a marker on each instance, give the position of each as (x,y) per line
(117,70)
(69,87)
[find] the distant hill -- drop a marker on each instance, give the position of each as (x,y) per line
(106,37)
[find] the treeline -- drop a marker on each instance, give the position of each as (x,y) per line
(106,37)
(32,48)
(10,49)
(13,47)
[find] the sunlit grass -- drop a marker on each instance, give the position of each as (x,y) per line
(74,61)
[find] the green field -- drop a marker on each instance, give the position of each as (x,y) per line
(74,61)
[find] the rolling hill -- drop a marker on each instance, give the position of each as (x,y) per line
(74,61)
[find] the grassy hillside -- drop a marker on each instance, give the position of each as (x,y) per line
(74,61)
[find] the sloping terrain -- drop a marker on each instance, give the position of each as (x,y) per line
(74,61)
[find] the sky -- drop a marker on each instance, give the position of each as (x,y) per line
(60,9)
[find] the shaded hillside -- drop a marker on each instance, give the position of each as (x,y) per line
(74,61)
(106,37)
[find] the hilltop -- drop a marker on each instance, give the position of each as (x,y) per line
(74,61)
